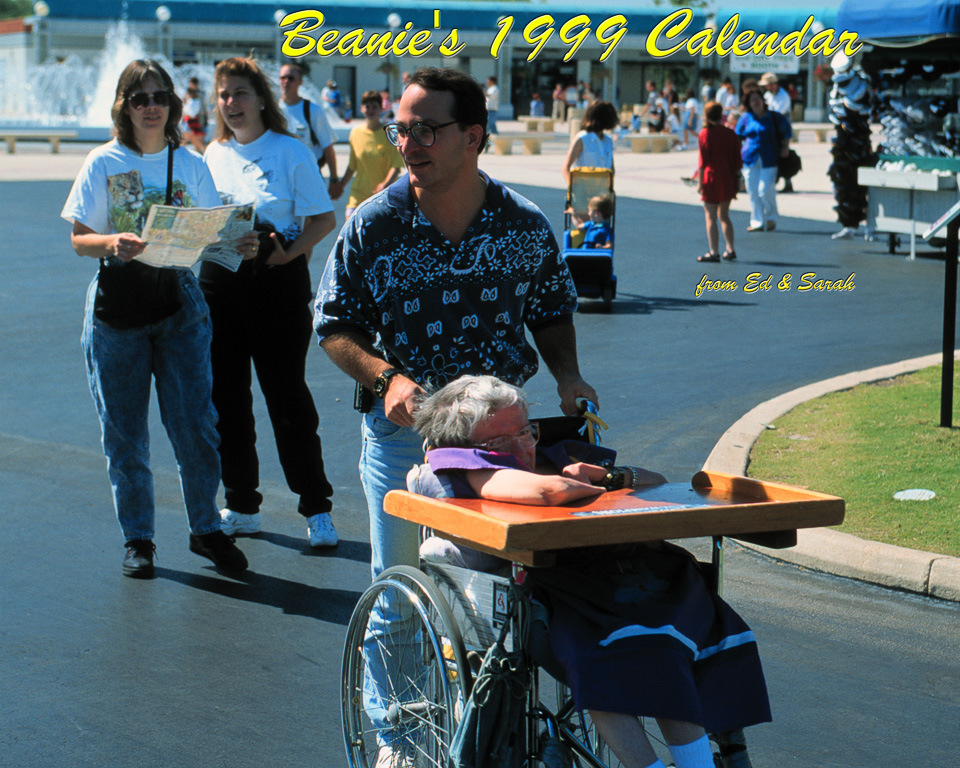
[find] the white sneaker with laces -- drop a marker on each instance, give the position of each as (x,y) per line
(233,523)
(321,533)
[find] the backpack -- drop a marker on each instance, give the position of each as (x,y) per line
(321,161)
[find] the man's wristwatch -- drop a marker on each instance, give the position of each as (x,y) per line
(382,381)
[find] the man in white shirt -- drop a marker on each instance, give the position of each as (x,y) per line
(778,100)
(305,120)
(493,104)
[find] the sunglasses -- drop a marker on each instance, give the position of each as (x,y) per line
(140,100)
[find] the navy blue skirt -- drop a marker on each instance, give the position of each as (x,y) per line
(637,631)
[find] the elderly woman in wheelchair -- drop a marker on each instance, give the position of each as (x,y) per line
(634,627)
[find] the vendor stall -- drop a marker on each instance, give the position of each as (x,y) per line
(907,194)
(910,63)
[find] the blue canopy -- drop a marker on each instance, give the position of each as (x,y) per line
(900,22)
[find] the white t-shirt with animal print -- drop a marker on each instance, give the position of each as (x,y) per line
(116,187)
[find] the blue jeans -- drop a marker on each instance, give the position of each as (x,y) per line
(120,365)
(388,452)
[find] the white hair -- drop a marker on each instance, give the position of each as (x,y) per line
(448,417)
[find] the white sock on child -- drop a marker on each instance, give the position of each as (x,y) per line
(696,754)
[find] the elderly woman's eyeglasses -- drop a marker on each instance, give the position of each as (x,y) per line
(423,133)
(529,435)
(141,99)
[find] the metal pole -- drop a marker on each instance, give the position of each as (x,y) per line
(949,323)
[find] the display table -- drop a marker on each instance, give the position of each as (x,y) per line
(907,202)
(711,504)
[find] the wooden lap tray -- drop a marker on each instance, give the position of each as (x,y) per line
(713,503)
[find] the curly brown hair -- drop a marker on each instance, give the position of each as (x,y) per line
(600,116)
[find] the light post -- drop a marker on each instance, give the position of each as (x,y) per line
(163,17)
(393,21)
(278,16)
(41,10)
(814,84)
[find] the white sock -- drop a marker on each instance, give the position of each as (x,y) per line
(696,754)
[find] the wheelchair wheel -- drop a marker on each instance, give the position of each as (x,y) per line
(579,725)
(405,680)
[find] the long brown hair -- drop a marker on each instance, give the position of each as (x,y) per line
(273,119)
(131,80)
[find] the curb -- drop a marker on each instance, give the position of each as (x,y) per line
(823,549)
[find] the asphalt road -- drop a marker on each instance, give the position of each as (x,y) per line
(196,669)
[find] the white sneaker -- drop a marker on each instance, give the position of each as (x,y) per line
(233,523)
(321,532)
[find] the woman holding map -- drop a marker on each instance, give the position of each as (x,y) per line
(261,313)
(144,323)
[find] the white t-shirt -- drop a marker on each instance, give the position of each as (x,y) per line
(297,125)
(116,187)
(277,173)
(778,102)
(493,98)
(596,152)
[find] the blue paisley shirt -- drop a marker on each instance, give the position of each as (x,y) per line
(442,311)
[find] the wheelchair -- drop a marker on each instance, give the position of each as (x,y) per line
(591,268)
(446,617)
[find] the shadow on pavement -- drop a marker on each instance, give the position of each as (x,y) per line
(293,598)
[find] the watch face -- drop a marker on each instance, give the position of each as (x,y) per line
(380,386)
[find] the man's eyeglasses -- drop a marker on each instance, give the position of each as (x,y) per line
(423,133)
(140,100)
(530,434)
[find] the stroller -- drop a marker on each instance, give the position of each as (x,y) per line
(591,268)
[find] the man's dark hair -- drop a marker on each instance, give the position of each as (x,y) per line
(371,97)
(301,66)
(469,100)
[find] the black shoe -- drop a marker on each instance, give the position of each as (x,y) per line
(138,562)
(219,547)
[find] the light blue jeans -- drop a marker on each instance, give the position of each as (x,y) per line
(120,365)
(388,452)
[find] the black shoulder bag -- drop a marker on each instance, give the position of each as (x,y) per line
(791,165)
(321,161)
(134,294)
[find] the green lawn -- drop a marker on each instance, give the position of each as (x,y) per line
(867,443)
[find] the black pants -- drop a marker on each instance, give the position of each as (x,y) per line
(263,316)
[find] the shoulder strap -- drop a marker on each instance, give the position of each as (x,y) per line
(776,126)
(170,150)
(306,116)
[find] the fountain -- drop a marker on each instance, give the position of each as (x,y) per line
(78,95)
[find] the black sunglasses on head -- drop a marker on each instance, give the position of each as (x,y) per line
(141,99)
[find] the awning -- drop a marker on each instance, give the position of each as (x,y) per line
(765,20)
(900,22)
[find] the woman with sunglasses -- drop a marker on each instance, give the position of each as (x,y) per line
(261,313)
(144,323)
(634,630)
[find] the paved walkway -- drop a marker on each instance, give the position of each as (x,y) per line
(657,176)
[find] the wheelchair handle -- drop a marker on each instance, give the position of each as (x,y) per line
(585,406)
